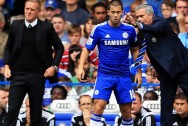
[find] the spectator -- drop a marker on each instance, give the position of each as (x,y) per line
(86,78)
(74,34)
(99,12)
(167,8)
(94,76)
(41,14)
(88,26)
(3,38)
(90,23)
(59,24)
(86,107)
(89,5)
(181,8)
(142,116)
(184,35)
(148,74)
(133,6)
(48,118)
(2,2)
(186,22)
(73,52)
(150,95)
(58,92)
(3,103)
(181,108)
(73,13)
(71,92)
(66,61)
(155,79)
(50,9)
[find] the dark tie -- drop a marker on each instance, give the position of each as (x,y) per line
(140,56)
(29,26)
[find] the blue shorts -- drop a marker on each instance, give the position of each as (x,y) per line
(120,85)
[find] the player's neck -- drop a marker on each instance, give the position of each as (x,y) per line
(114,24)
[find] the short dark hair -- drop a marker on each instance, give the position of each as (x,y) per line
(168,3)
(115,3)
(59,87)
(4,87)
(59,16)
(181,95)
(153,93)
(74,29)
(94,22)
(175,3)
(98,4)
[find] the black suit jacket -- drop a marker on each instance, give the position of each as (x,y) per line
(46,37)
(164,48)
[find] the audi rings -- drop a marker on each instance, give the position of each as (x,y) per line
(110,107)
(153,106)
(63,105)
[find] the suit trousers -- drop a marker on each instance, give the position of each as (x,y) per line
(23,83)
(168,88)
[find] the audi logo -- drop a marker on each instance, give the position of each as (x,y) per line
(110,107)
(63,105)
(154,106)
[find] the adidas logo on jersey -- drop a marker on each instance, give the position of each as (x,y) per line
(107,36)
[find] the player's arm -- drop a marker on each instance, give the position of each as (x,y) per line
(138,77)
(135,51)
(83,58)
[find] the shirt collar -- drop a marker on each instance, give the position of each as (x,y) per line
(32,24)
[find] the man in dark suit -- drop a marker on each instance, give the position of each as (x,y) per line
(166,53)
(29,61)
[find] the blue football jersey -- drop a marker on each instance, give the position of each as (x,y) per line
(113,45)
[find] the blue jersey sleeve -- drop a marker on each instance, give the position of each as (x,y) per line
(93,39)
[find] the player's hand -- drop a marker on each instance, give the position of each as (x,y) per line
(80,74)
(129,19)
(86,116)
(133,116)
(138,78)
(7,72)
(180,18)
(49,72)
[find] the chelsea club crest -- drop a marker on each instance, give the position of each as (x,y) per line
(125,35)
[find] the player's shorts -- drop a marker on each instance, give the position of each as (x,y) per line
(121,85)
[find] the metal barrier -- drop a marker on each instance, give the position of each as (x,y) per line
(81,84)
